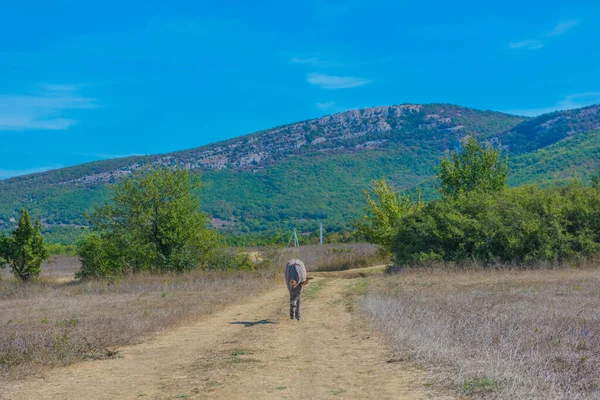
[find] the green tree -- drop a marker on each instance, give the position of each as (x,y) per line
(4,246)
(596,179)
(24,251)
(152,222)
(383,213)
(476,167)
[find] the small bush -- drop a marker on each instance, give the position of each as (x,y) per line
(222,261)
(61,249)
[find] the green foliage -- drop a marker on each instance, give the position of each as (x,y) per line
(577,157)
(61,249)
(5,243)
(475,168)
(551,128)
(480,385)
(24,251)
(221,260)
(384,213)
(153,222)
(521,225)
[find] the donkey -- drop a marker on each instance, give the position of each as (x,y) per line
(295,278)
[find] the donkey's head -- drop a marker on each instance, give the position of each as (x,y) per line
(296,290)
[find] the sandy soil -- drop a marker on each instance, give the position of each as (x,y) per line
(250,351)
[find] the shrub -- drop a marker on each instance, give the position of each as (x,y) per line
(221,260)
(62,249)
(384,213)
(520,225)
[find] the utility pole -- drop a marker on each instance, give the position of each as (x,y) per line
(294,238)
(321,234)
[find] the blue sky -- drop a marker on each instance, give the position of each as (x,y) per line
(84,80)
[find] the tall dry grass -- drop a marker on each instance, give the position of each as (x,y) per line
(55,321)
(496,334)
(56,268)
(336,257)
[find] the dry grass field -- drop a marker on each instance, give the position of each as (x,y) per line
(56,321)
(250,350)
(464,333)
(496,334)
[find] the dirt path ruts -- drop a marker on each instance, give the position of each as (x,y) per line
(248,351)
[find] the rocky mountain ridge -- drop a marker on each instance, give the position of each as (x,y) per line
(347,132)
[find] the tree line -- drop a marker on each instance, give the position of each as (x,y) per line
(478,218)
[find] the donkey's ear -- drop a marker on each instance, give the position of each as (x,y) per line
(305,282)
(293,282)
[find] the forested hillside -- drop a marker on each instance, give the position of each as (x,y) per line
(313,171)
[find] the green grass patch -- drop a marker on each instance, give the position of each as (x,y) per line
(358,286)
(337,391)
(479,385)
(313,288)
(240,352)
(236,356)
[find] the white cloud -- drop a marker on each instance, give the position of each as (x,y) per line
(331,107)
(335,82)
(9,173)
(325,106)
(530,44)
(43,109)
(575,100)
(338,61)
(314,62)
(562,28)
(106,156)
(308,60)
(536,44)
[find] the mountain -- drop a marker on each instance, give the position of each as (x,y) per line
(313,171)
(551,128)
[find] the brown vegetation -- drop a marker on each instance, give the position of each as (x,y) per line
(56,321)
(57,268)
(496,334)
(249,351)
(337,257)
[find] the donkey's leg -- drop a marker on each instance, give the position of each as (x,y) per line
(291,311)
(298,308)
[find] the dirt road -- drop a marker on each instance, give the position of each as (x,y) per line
(250,351)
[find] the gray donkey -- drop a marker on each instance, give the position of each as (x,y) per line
(295,278)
